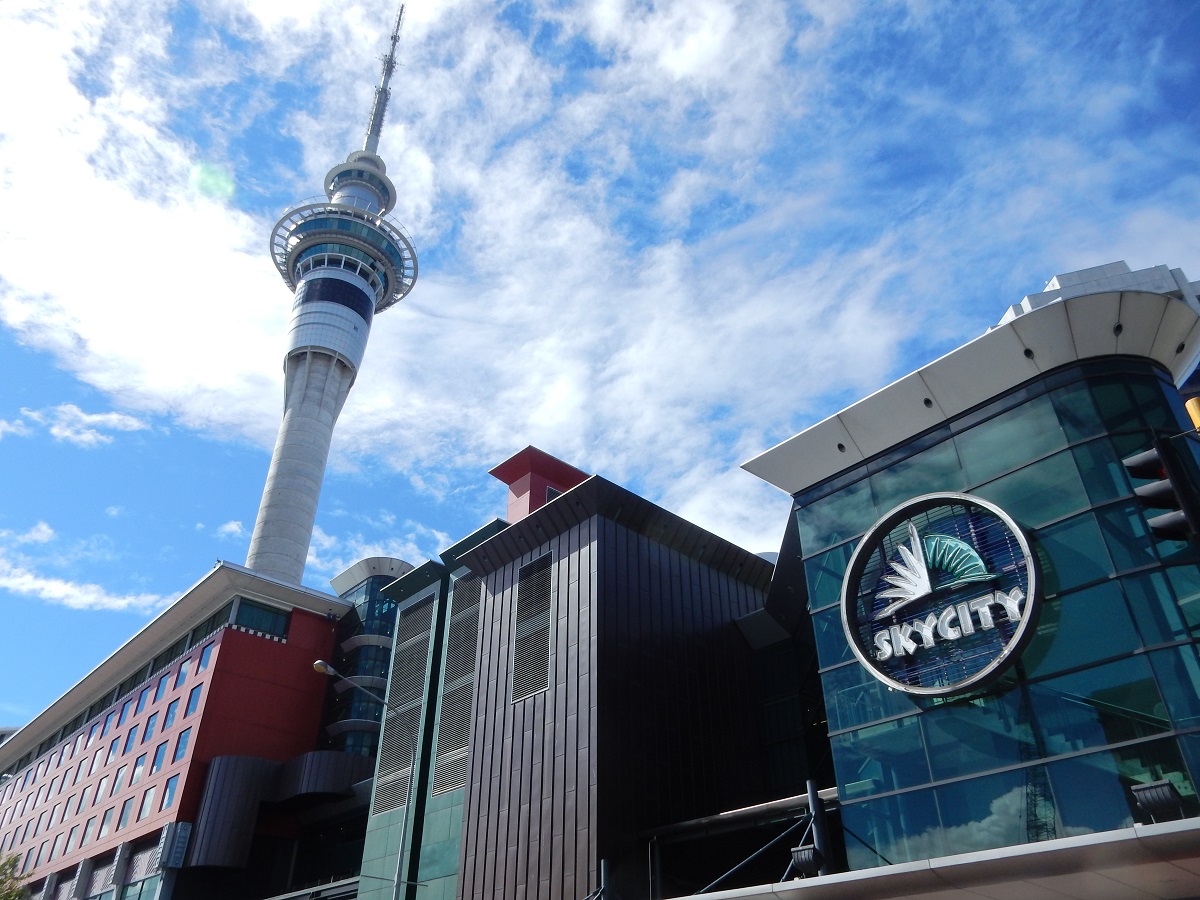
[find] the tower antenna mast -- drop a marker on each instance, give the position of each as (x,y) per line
(383,92)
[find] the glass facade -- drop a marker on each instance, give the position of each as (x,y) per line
(1107,693)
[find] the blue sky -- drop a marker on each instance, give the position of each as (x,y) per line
(654,240)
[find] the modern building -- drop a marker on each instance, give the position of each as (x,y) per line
(566,685)
(106,790)
(346,260)
(1007,645)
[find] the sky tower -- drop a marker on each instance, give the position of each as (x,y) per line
(346,260)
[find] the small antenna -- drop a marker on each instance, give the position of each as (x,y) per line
(383,92)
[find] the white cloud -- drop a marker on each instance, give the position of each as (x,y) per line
(67,422)
(23,582)
(735,217)
(233,529)
(41,533)
(330,555)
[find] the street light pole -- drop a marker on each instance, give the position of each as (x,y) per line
(324,668)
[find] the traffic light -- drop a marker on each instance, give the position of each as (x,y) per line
(1168,491)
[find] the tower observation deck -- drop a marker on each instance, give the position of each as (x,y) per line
(346,260)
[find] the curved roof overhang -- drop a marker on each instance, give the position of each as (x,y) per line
(1154,326)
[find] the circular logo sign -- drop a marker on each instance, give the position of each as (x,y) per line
(940,595)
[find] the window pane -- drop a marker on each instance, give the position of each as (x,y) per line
(106,821)
(169,792)
(160,754)
(162,687)
(150,723)
(193,700)
(1080,628)
(126,809)
(989,733)
(824,575)
(881,758)
(1101,470)
(854,697)
(832,646)
(1072,553)
(1178,674)
(138,767)
(1103,705)
(1009,440)
(934,469)
(169,718)
(1077,412)
(831,520)
(992,812)
(1129,542)
(893,830)
(181,745)
(142,697)
(183,672)
(1154,609)
(205,655)
(1039,493)
(147,804)
(131,739)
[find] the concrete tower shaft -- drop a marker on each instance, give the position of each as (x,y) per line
(346,260)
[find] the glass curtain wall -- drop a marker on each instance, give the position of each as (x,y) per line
(1106,695)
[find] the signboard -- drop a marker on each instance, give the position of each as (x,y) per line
(940,595)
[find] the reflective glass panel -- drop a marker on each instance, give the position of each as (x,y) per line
(1039,493)
(832,647)
(1010,440)
(985,733)
(1079,628)
(843,514)
(1103,705)
(824,573)
(892,830)
(1071,553)
(880,758)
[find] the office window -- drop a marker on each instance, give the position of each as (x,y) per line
(160,753)
(101,788)
(108,721)
(183,672)
(106,821)
(112,750)
(147,804)
(193,700)
(96,761)
(126,809)
(41,854)
(257,617)
(169,717)
(181,745)
(138,766)
(92,735)
(118,779)
(80,771)
(59,839)
(71,839)
(131,739)
(531,628)
(142,698)
(87,831)
(125,707)
(150,723)
(162,687)
(205,656)
(169,792)
(54,813)
(83,799)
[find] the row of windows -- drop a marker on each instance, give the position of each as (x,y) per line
(101,728)
(65,842)
(87,800)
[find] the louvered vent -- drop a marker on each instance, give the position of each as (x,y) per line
(458,683)
(531,629)
(406,693)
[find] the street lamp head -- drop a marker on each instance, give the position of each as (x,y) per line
(324,668)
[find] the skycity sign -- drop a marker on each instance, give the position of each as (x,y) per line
(940,595)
